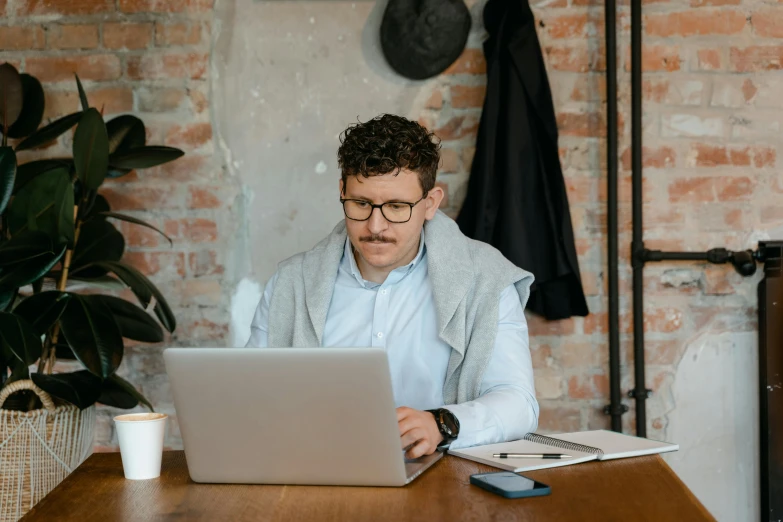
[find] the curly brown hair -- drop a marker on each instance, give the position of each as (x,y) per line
(389,143)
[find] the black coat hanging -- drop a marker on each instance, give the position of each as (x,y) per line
(516,199)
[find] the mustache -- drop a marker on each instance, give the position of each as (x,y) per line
(374,238)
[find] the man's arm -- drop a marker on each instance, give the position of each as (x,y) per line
(507,408)
(260,324)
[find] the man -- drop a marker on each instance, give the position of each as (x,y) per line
(399,275)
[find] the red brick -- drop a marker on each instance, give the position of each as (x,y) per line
(705,155)
(139,236)
(189,136)
(196,230)
(566,26)
(693,190)
(764,157)
(709,59)
(580,189)
(703,3)
(735,188)
(589,87)
(198,100)
(161,66)
(21,38)
(201,330)
(204,197)
(190,167)
(63,7)
(463,96)
(112,100)
(718,280)
(142,197)
(658,58)
(559,419)
(537,325)
(540,355)
(204,263)
(664,320)
(471,61)
(97,67)
(160,99)
(127,36)
(595,386)
(582,355)
(165,6)
(767,23)
(749,90)
(655,90)
(449,160)
(150,263)
(177,34)
(458,127)
(76,36)
(575,59)
(596,322)
(756,58)
(695,23)
(467,157)
(584,125)
(662,353)
(662,157)
(435,101)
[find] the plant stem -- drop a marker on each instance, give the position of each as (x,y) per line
(49,354)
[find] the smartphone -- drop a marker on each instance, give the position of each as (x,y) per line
(510,485)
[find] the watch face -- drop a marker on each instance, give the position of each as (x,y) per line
(450,423)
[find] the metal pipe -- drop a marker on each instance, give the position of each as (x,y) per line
(615,408)
(640,391)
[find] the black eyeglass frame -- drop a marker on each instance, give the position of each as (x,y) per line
(373,206)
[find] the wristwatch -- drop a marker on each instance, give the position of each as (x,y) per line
(448,425)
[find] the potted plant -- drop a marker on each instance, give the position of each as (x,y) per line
(56,231)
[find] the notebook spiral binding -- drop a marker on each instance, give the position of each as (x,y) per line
(562,444)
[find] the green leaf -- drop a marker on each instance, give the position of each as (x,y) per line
(33,102)
(7,175)
(131,219)
(99,240)
(126,132)
(79,388)
(82,94)
(143,289)
(24,246)
(42,310)
(50,132)
(92,334)
(11,92)
(19,338)
(6,298)
(29,171)
(120,393)
(99,205)
(91,149)
(134,322)
(64,352)
(144,157)
(45,203)
(19,371)
(24,273)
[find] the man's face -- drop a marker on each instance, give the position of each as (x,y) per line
(381,244)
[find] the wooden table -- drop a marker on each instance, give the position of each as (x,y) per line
(637,489)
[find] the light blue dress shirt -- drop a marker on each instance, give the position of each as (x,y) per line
(399,317)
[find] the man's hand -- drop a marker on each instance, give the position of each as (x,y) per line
(419,432)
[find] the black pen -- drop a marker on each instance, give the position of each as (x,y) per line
(531,456)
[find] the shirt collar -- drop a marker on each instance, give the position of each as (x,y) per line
(394,276)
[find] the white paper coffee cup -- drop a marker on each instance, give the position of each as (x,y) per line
(141,443)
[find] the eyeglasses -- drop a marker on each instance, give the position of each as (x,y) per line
(393,211)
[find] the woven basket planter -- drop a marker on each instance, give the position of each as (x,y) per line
(38,449)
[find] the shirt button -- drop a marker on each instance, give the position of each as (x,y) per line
(383,291)
(380,334)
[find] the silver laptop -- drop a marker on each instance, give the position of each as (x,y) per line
(289,416)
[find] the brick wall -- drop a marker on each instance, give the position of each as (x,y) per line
(711,117)
(712,114)
(151,58)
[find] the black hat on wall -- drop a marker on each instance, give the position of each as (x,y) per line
(422,38)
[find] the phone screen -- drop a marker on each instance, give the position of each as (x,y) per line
(510,481)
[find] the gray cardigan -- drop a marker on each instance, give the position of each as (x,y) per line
(467,279)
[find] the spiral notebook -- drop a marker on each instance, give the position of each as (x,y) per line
(583,446)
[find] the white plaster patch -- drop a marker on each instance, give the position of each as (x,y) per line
(320,168)
(244,302)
